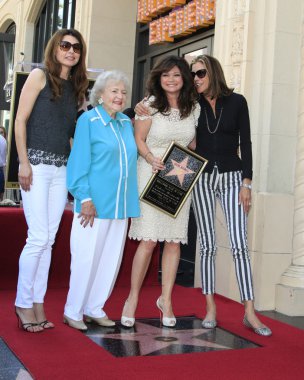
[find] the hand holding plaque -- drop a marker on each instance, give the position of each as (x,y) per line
(168,189)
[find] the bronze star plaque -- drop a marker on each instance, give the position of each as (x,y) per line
(168,189)
(149,338)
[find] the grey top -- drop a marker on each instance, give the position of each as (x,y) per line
(51,125)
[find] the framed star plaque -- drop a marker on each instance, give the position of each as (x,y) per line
(168,189)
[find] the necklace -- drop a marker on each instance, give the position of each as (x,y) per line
(217,124)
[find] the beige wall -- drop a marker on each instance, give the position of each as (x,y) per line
(107,26)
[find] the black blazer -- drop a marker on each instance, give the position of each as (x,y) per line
(230,146)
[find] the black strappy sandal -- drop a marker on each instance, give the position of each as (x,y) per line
(27,325)
(44,323)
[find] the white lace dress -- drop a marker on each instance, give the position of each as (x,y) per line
(154,224)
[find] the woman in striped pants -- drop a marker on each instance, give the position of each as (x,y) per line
(223,135)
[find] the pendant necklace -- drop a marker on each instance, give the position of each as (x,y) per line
(217,124)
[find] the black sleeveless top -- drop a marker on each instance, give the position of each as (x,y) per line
(51,125)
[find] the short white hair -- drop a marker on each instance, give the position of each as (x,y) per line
(101,83)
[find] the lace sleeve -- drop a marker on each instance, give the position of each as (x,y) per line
(196,113)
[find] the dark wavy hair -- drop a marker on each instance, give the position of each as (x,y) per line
(217,82)
(53,67)
(188,94)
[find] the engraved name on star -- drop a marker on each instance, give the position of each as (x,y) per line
(180,170)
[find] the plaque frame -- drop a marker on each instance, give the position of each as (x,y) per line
(159,186)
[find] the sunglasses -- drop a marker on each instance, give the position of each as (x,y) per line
(200,73)
(66,46)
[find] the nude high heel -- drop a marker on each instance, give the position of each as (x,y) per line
(166,321)
(103,321)
(127,321)
(78,325)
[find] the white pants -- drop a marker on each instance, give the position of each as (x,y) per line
(96,258)
(43,206)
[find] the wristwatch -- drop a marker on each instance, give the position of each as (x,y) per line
(246,185)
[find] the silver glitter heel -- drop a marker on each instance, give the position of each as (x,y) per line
(264,331)
(209,324)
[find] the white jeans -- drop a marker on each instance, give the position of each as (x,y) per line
(96,258)
(43,206)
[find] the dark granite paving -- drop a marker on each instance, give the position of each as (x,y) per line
(10,367)
(148,338)
(293,321)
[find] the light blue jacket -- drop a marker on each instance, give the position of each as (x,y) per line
(102,165)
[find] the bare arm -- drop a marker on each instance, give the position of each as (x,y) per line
(30,91)
(142,128)
(192,144)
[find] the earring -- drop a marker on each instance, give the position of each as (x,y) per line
(100,100)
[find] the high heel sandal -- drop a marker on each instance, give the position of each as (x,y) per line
(166,321)
(127,321)
(41,319)
(264,331)
(46,324)
(27,325)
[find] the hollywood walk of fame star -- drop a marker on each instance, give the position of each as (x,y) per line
(150,338)
(180,170)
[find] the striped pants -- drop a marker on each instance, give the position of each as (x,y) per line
(226,188)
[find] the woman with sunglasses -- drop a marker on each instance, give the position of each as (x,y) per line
(44,125)
(223,138)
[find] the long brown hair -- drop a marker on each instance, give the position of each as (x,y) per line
(187,96)
(217,82)
(78,72)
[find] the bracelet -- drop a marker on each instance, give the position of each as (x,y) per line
(246,185)
(146,155)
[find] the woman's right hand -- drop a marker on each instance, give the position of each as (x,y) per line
(157,164)
(25,176)
(141,110)
(87,213)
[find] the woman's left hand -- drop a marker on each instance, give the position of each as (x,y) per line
(245,199)
(87,214)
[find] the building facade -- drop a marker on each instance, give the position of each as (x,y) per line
(260,45)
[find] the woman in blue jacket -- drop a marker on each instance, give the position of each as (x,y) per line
(101,175)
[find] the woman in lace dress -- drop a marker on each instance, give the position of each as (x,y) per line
(174,113)
(45,122)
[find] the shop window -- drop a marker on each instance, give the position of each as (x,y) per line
(7,47)
(55,14)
